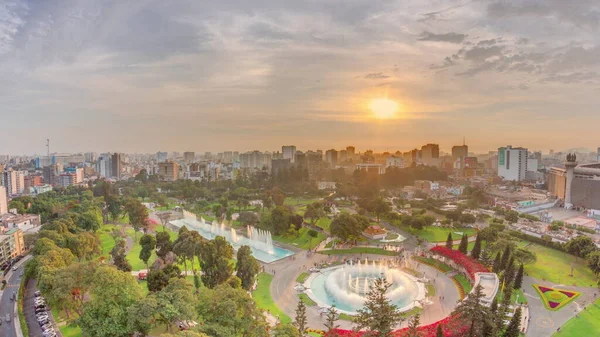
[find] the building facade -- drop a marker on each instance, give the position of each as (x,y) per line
(3,200)
(169,171)
(11,245)
(289,152)
(585,185)
(512,163)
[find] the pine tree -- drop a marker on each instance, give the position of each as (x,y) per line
(509,273)
(440,331)
(473,312)
(449,241)
(413,326)
(505,258)
(504,305)
(476,248)
(514,327)
(464,244)
(519,278)
(330,322)
(379,315)
(301,321)
(496,265)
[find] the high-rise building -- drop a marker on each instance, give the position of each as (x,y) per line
(228,157)
(350,152)
(459,153)
(161,157)
(3,200)
(188,157)
(169,170)
(512,163)
(49,173)
(255,160)
(430,154)
(103,166)
(116,166)
(598,155)
(67,179)
(289,152)
(331,156)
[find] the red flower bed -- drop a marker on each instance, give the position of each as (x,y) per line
(451,327)
(471,265)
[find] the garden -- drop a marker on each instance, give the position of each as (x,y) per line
(440,234)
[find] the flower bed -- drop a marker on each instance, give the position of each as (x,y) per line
(555,299)
(471,265)
(463,285)
(444,268)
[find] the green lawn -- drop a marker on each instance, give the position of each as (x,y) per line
(346,317)
(430,289)
(587,324)
(358,250)
(555,266)
(433,263)
(106,241)
(133,256)
(324,223)
(262,296)
(299,201)
(304,298)
(302,240)
(302,277)
(70,331)
(464,283)
(439,234)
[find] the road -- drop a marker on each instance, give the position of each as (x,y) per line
(6,305)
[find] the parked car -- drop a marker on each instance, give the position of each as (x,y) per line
(37,294)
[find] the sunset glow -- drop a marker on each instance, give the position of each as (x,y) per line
(383,108)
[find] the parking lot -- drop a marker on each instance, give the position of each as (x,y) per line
(29,312)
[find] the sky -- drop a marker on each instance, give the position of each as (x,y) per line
(179,75)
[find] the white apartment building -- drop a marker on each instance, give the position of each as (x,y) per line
(289,152)
(3,201)
(512,163)
(393,161)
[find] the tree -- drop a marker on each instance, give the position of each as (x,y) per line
(464,244)
(467,218)
(379,315)
(185,333)
(505,258)
(230,312)
(345,227)
(215,258)
(285,330)
(163,244)
(314,212)
(280,220)
(247,267)
(69,286)
(449,241)
(138,214)
(509,272)
(519,278)
(524,256)
(113,205)
(476,248)
(118,254)
(18,205)
(380,206)
(106,312)
(313,234)
(472,312)
(148,243)
(301,321)
(330,322)
(417,223)
(514,326)
(413,326)
(84,245)
(91,220)
(439,331)
(511,216)
(497,262)
(581,246)
(173,303)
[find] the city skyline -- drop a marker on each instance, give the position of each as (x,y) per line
(134,77)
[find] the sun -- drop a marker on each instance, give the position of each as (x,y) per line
(383,108)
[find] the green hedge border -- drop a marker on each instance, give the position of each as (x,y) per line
(20,303)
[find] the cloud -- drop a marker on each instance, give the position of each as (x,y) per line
(581,13)
(575,77)
(480,54)
(376,76)
(447,37)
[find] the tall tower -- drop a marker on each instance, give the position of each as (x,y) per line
(570,166)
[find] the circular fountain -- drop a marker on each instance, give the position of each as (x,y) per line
(347,286)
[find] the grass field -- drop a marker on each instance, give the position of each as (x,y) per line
(262,296)
(304,298)
(302,277)
(106,241)
(358,250)
(464,283)
(430,290)
(439,234)
(444,268)
(471,245)
(555,266)
(324,223)
(587,324)
(303,240)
